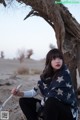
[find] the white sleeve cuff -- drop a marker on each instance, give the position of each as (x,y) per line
(30,93)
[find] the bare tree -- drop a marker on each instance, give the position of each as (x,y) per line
(21,55)
(2,54)
(29,53)
(67,30)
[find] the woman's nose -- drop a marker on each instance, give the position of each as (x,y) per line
(57,60)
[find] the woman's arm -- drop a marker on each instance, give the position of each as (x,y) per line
(29,93)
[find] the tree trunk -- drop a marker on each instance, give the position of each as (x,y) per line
(67,30)
(3,2)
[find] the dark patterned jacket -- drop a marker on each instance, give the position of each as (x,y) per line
(60,88)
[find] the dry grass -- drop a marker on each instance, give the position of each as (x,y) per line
(27,71)
(23,70)
(35,71)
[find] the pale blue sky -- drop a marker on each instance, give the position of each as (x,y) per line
(33,33)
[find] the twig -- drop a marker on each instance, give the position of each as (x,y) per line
(9,98)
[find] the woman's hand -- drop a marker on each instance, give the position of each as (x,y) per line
(16,92)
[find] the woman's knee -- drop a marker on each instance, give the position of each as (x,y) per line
(26,101)
(21,101)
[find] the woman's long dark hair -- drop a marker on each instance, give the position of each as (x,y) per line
(48,70)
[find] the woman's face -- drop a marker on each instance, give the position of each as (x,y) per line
(56,63)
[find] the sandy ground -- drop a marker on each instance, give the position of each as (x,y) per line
(9,78)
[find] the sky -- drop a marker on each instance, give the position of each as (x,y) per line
(33,33)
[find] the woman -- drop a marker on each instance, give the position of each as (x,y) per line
(59,100)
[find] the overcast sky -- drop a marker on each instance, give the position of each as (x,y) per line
(33,33)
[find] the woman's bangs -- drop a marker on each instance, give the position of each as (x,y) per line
(57,55)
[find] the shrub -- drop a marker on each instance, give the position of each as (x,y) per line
(29,53)
(23,70)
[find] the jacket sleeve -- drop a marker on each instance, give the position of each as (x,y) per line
(30,93)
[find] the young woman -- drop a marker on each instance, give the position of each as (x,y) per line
(59,100)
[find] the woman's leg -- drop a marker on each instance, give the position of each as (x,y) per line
(55,110)
(28,106)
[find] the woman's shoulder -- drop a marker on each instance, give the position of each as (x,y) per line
(65,70)
(66,74)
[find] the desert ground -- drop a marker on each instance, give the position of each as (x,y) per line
(13,73)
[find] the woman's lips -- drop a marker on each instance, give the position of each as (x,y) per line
(58,65)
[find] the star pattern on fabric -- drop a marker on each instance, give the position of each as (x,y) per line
(46,98)
(60,79)
(73,90)
(68,85)
(48,93)
(60,92)
(68,71)
(45,86)
(68,96)
(42,102)
(73,103)
(53,88)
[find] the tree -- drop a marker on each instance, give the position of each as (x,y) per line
(67,30)
(29,53)
(2,54)
(21,55)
